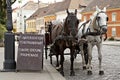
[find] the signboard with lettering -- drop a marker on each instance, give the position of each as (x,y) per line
(30,52)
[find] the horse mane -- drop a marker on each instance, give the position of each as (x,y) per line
(94,23)
(93,19)
(56,30)
(65,27)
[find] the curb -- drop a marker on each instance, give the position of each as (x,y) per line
(55,75)
(112,43)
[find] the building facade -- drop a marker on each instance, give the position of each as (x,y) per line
(55,11)
(21,13)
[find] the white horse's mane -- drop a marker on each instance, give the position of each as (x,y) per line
(93,15)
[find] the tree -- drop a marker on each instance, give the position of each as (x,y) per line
(3,7)
(3,12)
(2,18)
(2,31)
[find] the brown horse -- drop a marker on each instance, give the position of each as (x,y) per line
(64,36)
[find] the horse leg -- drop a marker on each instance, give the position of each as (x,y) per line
(51,54)
(89,59)
(85,52)
(101,72)
(72,73)
(83,59)
(57,58)
(61,63)
(46,48)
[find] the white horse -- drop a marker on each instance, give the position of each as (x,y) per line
(91,32)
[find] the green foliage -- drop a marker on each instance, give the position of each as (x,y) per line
(2,31)
(111,39)
(2,12)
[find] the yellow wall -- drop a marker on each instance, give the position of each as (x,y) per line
(31,25)
(49,18)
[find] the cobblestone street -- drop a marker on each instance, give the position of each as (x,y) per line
(111,65)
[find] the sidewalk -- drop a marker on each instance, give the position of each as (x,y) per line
(48,72)
(111,43)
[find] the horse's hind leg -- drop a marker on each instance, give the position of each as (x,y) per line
(85,52)
(61,63)
(46,48)
(101,72)
(83,57)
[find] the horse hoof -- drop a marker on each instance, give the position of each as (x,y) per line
(89,72)
(101,72)
(58,69)
(57,65)
(62,73)
(72,73)
(84,68)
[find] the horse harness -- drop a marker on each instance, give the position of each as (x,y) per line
(89,32)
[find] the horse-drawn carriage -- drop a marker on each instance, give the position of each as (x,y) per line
(79,38)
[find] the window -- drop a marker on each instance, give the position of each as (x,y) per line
(114,16)
(113,32)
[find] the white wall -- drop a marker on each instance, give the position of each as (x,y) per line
(40,25)
(21,19)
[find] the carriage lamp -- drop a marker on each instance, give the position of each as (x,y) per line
(9,63)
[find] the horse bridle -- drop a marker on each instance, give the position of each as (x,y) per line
(101,26)
(72,29)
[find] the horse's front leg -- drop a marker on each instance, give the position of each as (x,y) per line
(99,46)
(61,63)
(72,73)
(57,63)
(89,58)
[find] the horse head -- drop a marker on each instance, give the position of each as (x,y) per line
(101,20)
(71,23)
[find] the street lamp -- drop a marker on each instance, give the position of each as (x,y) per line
(9,51)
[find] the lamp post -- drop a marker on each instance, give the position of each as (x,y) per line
(24,24)
(9,51)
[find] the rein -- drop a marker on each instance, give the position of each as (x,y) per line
(84,24)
